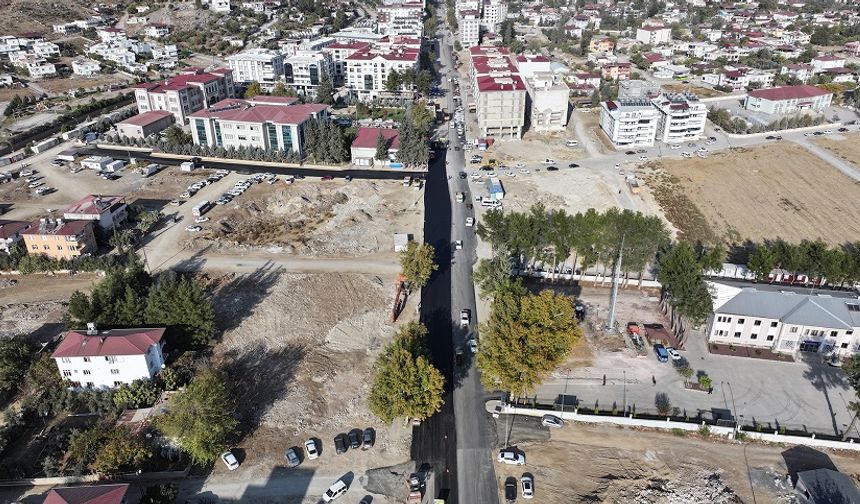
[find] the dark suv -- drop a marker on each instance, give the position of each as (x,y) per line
(511,490)
(340,443)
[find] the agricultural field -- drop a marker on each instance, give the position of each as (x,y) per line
(795,194)
(846,146)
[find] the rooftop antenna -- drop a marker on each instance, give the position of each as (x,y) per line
(613,297)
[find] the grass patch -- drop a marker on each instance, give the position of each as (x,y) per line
(680,209)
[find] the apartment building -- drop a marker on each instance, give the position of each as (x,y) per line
(739,78)
(529,64)
(402,18)
(10,233)
(616,71)
(549,99)
(601,44)
(266,122)
(264,66)
(367,69)
(45,50)
(682,117)
(86,67)
(788,99)
(493,13)
(785,321)
(630,123)
(106,211)
(97,359)
(185,93)
(500,93)
(60,239)
(339,52)
(825,62)
(304,70)
(799,71)
(470,27)
(654,35)
(41,69)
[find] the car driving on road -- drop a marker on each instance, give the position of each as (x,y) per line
(465,317)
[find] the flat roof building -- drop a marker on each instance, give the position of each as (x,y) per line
(145,124)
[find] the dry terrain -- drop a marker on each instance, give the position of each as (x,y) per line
(39,15)
(60,86)
(643,466)
(6,94)
(304,346)
(760,193)
(846,146)
(535,147)
(701,92)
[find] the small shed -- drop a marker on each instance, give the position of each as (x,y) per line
(497,192)
(401,241)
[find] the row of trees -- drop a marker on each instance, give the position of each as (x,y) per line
(413,133)
(326,142)
(421,80)
(679,271)
(816,259)
(732,124)
(187,149)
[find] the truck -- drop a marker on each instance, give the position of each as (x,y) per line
(460,197)
(150,169)
(201,208)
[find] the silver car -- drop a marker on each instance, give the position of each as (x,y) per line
(552,421)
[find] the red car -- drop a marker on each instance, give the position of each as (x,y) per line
(327,177)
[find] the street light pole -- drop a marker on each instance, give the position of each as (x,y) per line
(625,390)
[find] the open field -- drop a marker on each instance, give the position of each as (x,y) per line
(701,92)
(643,466)
(6,94)
(60,86)
(846,146)
(38,15)
(535,147)
(760,193)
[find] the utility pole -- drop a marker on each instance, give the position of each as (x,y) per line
(616,272)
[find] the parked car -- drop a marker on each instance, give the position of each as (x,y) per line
(368,439)
(465,317)
(473,345)
(674,354)
(355,439)
(528,487)
(662,354)
(327,177)
(201,219)
(230,460)
(311,449)
(643,158)
(571,165)
(193,229)
(292,457)
(552,168)
(340,444)
(511,490)
(548,161)
(511,457)
(458,244)
(336,490)
(470,221)
(552,421)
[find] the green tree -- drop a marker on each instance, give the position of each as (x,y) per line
(281,90)
(381,147)
(140,394)
(121,450)
(393,81)
(680,273)
(325,91)
(175,135)
(129,310)
(201,417)
(851,368)
(685,371)
(405,384)
(254,89)
(15,355)
(417,263)
(492,275)
(526,337)
(339,20)
(662,403)
(423,82)
(181,304)
(761,262)
(160,494)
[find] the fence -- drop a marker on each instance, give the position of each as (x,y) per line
(93,478)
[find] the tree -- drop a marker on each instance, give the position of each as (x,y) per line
(680,273)
(181,304)
(662,403)
(705,381)
(254,89)
(339,20)
(15,354)
(175,135)
(201,417)
(121,450)
(685,371)
(851,367)
(160,494)
(405,384)
(325,91)
(381,147)
(129,310)
(393,81)
(281,90)
(417,263)
(492,275)
(761,262)
(140,394)
(423,82)
(526,337)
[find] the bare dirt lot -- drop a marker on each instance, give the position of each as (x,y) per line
(641,466)
(321,218)
(701,92)
(38,15)
(60,86)
(535,147)
(847,146)
(35,304)
(794,196)
(304,346)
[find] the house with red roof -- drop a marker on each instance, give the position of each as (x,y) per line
(106,359)
(106,211)
(97,494)
(10,233)
(363,148)
(788,99)
(186,93)
(145,124)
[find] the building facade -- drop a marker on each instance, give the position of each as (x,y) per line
(304,70)
(264,66)
(60,239)
(402,18)
(106,211)
(682,117)
(363,148)
(185,93)
(145,124)
(10,233)
(367,69)
(653,35)
(499,91)
(106,359)
(631,123)
(470,27)
(550,102)
(788,99)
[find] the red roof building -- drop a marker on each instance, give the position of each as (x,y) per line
(185,93)
(107,211)
(145,124)
(788,99)
(10,233)
(363,148)
(99,494)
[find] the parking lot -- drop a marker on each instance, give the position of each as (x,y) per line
(802,395)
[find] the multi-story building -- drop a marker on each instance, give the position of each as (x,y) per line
(145,124)
(157,30)
(530,64)
(799,71)
(304,70)
(10,233)
(60,239)
(339,52)
(827,62)
(550,102)
(654,35)
(46,50)
(616,71)
(367,69)
(630,123)
(86,67)
(788,99)
(264,66)
(185,93)
(682,117)
(500,93)
(739,78)
(785,320)
(266,122)
(106,359)
(39,69)
(494,12)
(470,27)
(601,43)
(403,18)
(106,211)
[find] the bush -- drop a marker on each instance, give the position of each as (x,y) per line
(140,394)
(705,431)
(679,432)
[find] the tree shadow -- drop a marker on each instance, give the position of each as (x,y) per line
(824,378)
(236,300)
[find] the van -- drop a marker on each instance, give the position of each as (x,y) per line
(662,354)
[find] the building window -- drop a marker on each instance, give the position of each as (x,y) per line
(287,134)
(86,359)
(773,324)
(65,360)
(218,140)
(741,321)
(110,358)
(793,329)
(833,334)
(114,371)
(844,345)
(90,384)
(737,334)
(753,336)
(87,372)
(757,323)
(117,383)
(201,132)
(67,373)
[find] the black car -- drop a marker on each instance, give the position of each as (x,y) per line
(368,439)
(573,165)
(340,443)
(552,168)
(355,439)
(842,130)
(511,490)
(630,152)
(457,148)
(770,137)
(462,174)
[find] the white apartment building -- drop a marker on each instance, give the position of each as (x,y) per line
(550,102)
(305,69)
(530,64)
(185,93)
(157,30)
(86,67)
(107,359)
(788,99)
(265,66)
(654,35)
(40,69)
(785,321)
(406,18)
(827,62)
(630,123)
(46,50)
(494,12)
(267,122)
(367,69)
(682,117)
(339,52)
(219,5)
(167,52)
(470,28)
(8,44)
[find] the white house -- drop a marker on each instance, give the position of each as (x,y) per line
(86,67)
(41,68)
(630,123)
(654,35)
(106,359)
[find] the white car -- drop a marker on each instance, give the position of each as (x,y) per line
(176,202)
(473,345)
(34,185)
(703,149)
(524,171)
(674,354)
(230,460)
(470,221)
(520,165)
(528,487)
(339,488)
(686,155)
(510,173)
(572,143)
(311,449)
(548,161)
(193,229)
(674,146)
(643,158)
(828,132)
(201,219)
(465,317)
(552,421)
(458,244)
(511,457)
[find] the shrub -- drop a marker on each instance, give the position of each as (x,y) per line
(705,431)
(679,432)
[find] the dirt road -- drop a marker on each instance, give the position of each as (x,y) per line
(186,260)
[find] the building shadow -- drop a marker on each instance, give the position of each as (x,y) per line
(802,458)
(824,378)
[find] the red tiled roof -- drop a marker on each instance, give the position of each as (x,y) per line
(179,82)
(87,205)
(533,58)
(99,494)
(484,65)
(245,111)
(107,343)
(68,228)
(489,83)
(485,50)
(273,100)
(366,138)
(394,54)
(653,28)
(347,45)
(9,227)
(827,58)
(788,92)
(147,118)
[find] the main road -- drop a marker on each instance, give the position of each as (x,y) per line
(457,441)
